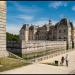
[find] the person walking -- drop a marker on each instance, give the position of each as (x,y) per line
(66,59)
(62,60)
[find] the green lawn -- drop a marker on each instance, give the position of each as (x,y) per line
(11,63)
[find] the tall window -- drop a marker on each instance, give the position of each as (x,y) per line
(59,31)
(64,30)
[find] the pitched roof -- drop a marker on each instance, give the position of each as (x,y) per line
(25,26)
(31,27)
(64,21)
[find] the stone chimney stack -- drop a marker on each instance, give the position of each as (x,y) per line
(24,32)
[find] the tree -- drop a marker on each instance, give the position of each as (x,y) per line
(12,37)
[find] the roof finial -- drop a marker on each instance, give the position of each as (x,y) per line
(49,21)
(65,17)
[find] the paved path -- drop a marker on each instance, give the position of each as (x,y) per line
(39,68)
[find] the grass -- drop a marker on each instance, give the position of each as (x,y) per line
(11,63)
(14,61)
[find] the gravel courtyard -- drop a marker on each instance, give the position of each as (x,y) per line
(40,68)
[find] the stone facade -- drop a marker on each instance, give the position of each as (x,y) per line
(24,33)
(34,46)
(47,37)
(14,47)
(37,46)
(61,31)
(3,51)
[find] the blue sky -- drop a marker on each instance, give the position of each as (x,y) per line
(37,12)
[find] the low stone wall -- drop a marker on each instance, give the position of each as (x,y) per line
(35,46)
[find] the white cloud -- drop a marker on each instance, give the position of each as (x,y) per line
(54,22)
(73,8)
(74,23)
(27,9)
(26,17)
(41,22)
(62,16)
(57,4)
(14,29)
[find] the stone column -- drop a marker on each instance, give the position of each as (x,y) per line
(3,51)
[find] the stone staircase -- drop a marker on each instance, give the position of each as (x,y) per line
(34,60)
(12,55)
(51,55)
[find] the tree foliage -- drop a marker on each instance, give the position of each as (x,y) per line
(12,37)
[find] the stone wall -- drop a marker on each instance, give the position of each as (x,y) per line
(3,51)
(14,47)
(35,46)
